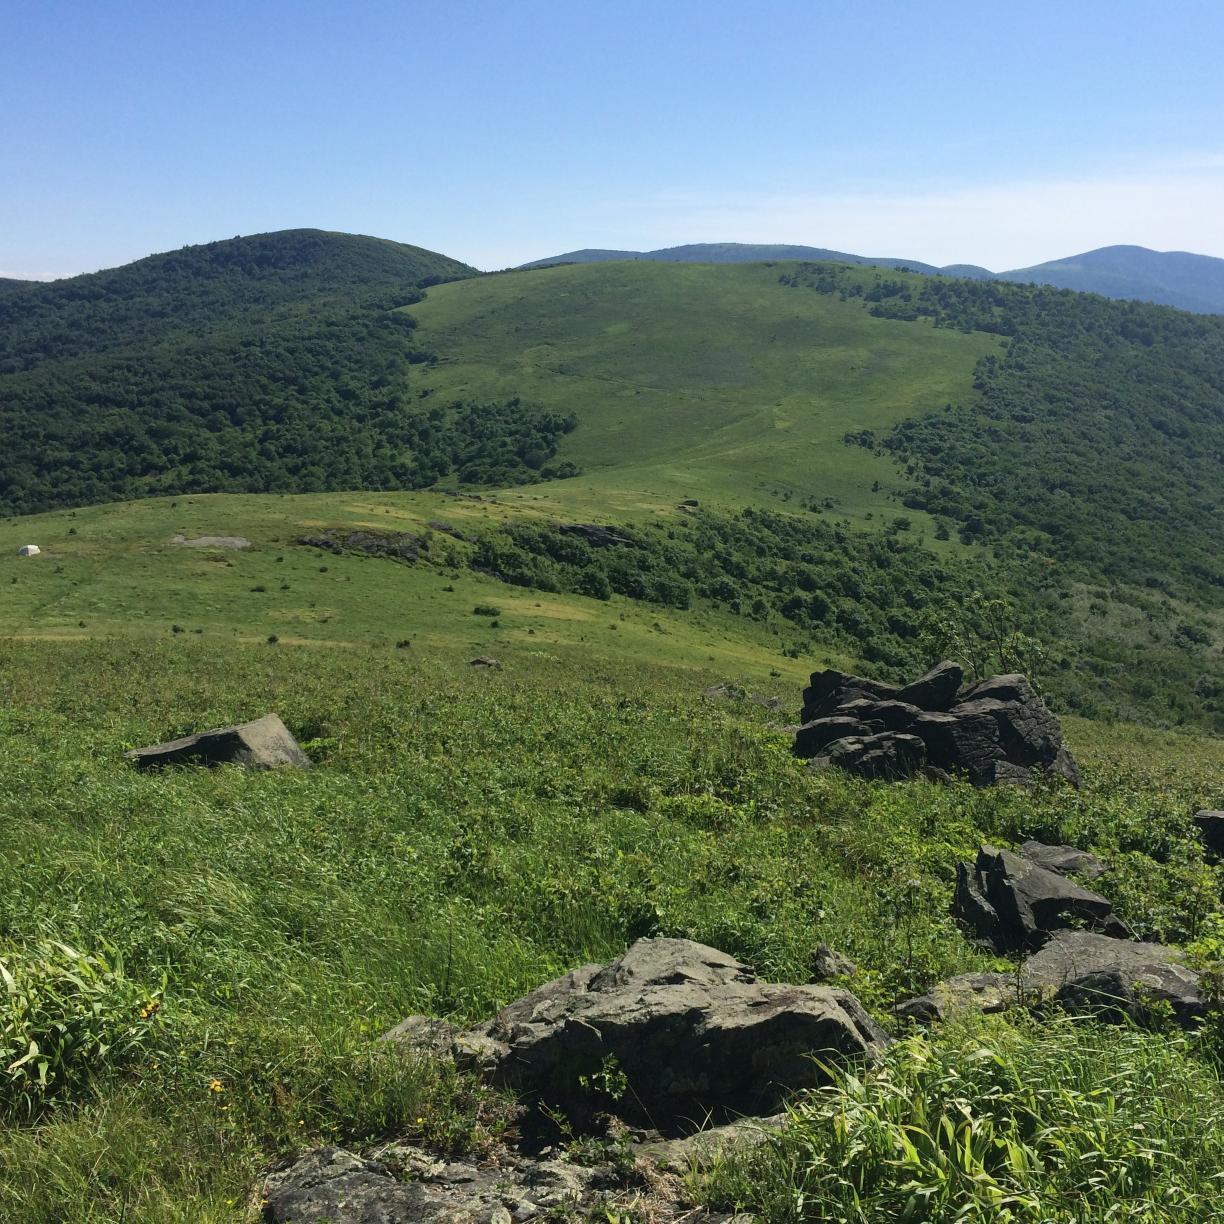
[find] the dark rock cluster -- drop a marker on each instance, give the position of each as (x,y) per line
(995,731)
(398,545)
(1076,953)
(1013,904)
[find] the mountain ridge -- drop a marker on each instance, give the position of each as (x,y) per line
(1181,279)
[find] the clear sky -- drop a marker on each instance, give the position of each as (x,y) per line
(497,131)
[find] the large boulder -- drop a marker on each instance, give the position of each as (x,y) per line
(693,1030)
(937,689)
(1078,971)
(1119,978)
(262,744)
(1014,905)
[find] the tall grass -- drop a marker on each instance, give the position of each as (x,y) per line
(1053,1121)
(463,837)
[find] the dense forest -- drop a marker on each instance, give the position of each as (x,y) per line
(1095,440)
(269,364)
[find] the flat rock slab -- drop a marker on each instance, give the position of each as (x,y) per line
(402,1184)
(692,1029)
(236,543)
(263,744)
(1065,860)
(1078,971)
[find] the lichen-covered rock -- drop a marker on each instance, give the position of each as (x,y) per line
(399,1183)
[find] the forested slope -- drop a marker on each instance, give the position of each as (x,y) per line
(261,364)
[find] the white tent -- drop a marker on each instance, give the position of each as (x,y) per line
(29,550)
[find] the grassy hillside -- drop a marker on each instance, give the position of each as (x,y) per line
(699,381)
(236,942)
(730,252)
(205,959)
(116,572)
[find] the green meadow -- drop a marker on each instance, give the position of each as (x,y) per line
(204,959)
(695,380)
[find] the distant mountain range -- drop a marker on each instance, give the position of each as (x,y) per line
(1170,278)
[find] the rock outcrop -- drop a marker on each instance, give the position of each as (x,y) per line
(262,744)
(1013,905)
(693,1031)
(996,731)
(1077,971)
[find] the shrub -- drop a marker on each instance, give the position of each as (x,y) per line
(65,1016)
(486,610)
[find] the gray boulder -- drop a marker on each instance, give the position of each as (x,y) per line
(1013,904)
(937,689)
(828,963)
(983,992)
(1065,860)
(1077,971)
(693,1030)
(1119,978)
(888,756)
(262,744)
(1210,825)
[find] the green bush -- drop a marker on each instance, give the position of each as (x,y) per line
(65,1016)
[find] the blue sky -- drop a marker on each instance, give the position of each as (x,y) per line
(505,130)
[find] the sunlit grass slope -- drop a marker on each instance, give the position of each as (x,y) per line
(111,571)
(707,381)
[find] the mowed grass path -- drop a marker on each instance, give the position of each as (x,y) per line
(690,380)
